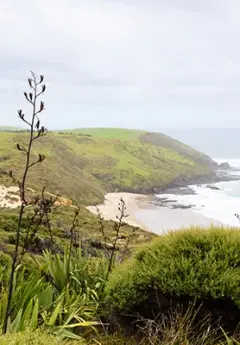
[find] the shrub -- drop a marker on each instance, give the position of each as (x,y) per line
(4,260)
(34,338)
(194,264)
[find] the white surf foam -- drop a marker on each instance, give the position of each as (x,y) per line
(221,205)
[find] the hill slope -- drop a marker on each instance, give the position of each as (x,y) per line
(11,129)
(85,164)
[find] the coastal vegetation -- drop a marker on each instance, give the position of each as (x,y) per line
(187,265)
(84,165)
(69,277)
(88,233)
(183,288)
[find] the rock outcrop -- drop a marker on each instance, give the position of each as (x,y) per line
(225,166)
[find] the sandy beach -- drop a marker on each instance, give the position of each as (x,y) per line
(151,218)
(9,197)
(109,209)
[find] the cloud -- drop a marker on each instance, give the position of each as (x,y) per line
(149,64)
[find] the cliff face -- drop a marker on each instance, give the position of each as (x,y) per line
(85,164)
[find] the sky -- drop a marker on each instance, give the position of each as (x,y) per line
(144,64)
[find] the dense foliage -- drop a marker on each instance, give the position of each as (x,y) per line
(88,233)
(193,264)
(66,296)
(58,292)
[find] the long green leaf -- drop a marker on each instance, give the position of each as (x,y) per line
(26,317)
(67,334)
(82,324)
(15,325)
(34,318)
(55,314)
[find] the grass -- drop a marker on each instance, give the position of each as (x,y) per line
(172,336)
(42,338)
(34,338)
(108,133)
(85,164)
(10,129)
(37,338)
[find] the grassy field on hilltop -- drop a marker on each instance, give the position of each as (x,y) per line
(11,129)
(108,133)
(84,164)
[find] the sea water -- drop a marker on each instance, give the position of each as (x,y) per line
(220,204)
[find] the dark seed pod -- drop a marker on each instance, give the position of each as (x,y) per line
(41,106)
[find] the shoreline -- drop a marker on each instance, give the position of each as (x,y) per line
(109,209)
(144,214)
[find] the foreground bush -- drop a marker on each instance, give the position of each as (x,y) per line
(193,264)
(34,338)
(56,292)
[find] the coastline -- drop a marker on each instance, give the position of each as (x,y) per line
(142,213)
(109,209)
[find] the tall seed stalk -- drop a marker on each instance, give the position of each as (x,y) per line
(37,88)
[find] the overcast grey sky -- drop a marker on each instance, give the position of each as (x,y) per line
(128,63)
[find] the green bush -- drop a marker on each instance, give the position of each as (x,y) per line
(4,259)
(34,338)
(193,264)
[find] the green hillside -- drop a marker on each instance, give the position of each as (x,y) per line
(85,164)
(10,129)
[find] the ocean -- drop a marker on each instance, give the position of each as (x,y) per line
(219,203)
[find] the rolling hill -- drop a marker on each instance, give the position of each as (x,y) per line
(84,164)
(11,129)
